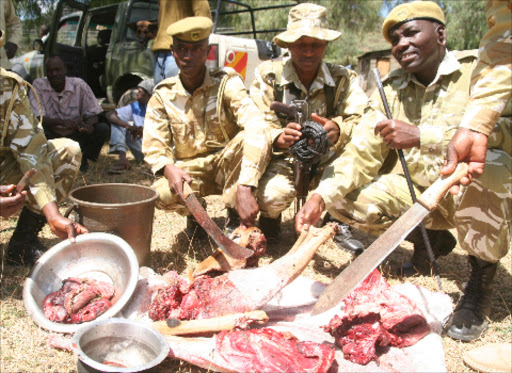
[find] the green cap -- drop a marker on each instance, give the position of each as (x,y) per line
(191,29)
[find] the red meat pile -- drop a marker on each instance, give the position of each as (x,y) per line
(265,350)
(78,300)
(204,298)
(376,316)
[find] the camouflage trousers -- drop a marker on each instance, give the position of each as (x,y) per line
(481,212)
(213,174)
(65,157)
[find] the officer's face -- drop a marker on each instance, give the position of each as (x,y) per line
(418,46)
(307,54)
(190,57)
(56,73)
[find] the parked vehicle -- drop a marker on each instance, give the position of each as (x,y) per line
(101,46)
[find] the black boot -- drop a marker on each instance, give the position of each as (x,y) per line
(271,228)
(344,239)
(232,222)
(469,319)
(442,243)
(24,246)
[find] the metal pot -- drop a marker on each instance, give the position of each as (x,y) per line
(119,345)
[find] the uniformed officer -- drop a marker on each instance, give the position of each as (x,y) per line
(333,95)
(428,96)
(193,126)
(23,146)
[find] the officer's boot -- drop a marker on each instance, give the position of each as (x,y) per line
(232,222)
(442,243)
(24,246)
(344,238)
(469,319)
(270,227)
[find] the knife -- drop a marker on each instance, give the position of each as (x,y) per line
(227,245)
(361,267)
(24,180)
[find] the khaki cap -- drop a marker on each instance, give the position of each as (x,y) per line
(306,19)
(402,13)
(191,29)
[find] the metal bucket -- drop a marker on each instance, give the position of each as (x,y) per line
(126,210)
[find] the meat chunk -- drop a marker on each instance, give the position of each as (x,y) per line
(266,350)
(376,316)
(78,300)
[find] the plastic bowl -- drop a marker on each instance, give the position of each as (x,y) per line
(101,256)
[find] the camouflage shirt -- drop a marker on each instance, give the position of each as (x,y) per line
(182,126)
(493,75)
(349,106)
(24,139)
(437,110)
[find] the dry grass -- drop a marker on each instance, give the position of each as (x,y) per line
(24,347)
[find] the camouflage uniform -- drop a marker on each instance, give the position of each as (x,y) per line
(277,191)
(24,146)
(359,190)
(492,76)
(190,132)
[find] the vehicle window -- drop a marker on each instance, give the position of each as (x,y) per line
(141,11)
(67,31)
(99,28)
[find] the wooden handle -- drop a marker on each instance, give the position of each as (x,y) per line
(187,190)
(25,179)
(215,324)
(431,197)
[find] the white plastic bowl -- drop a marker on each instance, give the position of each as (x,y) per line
(101,256)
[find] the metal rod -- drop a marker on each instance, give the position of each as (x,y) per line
(405,169)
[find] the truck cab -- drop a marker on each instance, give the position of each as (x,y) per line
(102,45)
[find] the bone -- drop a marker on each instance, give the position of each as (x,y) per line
(217,324)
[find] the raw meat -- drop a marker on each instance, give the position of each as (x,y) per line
(265,350)
(237,291)
(78,300)
(376,316)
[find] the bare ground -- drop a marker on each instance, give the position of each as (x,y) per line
(24,347)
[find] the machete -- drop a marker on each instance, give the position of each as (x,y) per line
(361,267)
(229,247)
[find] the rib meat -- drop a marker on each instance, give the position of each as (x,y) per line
(376,316)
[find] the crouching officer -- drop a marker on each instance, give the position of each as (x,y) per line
(193,127)
(23,146)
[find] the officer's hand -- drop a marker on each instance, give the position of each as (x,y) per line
(310,213)
(465,146)
(61,226)
(9,203)
(10,49)
(398,134)
(176,177)
(246,206)
(333,131)
(290,135)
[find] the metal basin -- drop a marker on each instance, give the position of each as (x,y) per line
(101,256)
(119,345)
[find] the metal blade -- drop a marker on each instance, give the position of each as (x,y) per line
(361,267)
(230,247)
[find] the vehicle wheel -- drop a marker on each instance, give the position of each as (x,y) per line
(128,97)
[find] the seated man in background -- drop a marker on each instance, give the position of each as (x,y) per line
(123,135)
(334,98)
(428,97)
(193,126)
(69,109)
(23,147)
